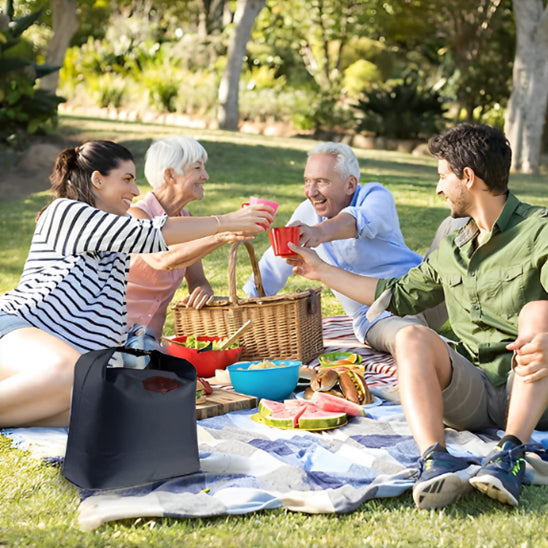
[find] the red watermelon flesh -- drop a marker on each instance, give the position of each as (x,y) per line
(299,414)
(267,407)
(328,402)
(295,404)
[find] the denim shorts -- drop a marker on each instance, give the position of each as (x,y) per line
(140,337)
(11,322)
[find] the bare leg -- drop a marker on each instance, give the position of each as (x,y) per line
(424,370)
(503,471)
(36,377)
(528,399)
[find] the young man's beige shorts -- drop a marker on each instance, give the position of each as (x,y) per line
(470,402)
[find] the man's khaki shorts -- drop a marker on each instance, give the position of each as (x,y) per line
(470,402)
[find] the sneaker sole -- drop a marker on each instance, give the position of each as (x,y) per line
(493,488)
(440,491)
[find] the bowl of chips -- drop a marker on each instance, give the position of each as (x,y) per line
(269,379)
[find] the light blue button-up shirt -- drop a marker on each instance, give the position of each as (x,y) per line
(378,250)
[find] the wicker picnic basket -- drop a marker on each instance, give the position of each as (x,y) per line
(287,326)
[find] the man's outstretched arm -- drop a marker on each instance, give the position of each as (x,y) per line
(306,263)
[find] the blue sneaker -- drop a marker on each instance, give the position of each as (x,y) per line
(502,473)
(443,478)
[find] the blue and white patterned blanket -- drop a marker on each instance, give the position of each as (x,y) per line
(246,467)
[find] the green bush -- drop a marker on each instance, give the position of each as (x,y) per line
(24,109)
(359,76)
(326,112)
(404,110)
(197,92)
(110,90)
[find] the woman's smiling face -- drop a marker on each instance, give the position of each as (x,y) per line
(192,181)
(114,193)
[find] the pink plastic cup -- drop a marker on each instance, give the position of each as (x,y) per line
(280,237)
(254,200)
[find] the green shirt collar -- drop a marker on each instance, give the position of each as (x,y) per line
(508,210)
(470,230)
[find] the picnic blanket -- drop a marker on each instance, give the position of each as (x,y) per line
(247,467)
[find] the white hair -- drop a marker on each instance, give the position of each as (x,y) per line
(346,164)
(176,152)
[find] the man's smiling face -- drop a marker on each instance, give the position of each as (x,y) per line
(327,190)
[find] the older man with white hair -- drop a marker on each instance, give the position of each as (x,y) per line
(355,227)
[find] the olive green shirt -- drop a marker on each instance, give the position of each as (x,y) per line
(485,287)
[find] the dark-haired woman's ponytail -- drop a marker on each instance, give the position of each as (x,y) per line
(69,179)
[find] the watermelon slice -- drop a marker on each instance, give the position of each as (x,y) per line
(301,414)
(267,407)
(328,402)
(284,419)
(295,405)
(314,418)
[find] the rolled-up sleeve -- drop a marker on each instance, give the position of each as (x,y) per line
(418,290)
(376,215)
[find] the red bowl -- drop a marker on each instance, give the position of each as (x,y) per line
(205,362)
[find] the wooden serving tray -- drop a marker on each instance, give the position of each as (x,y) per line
(224,401)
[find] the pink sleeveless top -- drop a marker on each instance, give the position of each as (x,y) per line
(150,291)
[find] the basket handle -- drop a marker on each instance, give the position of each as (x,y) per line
(232,271)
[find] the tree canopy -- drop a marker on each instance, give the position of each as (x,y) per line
(316,63)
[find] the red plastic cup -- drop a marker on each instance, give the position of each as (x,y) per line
(254,200)
(280,237)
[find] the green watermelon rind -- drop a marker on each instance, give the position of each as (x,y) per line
(323,423)
(285,422)
(260,419)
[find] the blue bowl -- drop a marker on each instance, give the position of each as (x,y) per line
(272,383)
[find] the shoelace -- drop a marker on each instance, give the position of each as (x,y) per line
(509,459)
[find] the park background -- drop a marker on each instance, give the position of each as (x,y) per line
(376,73)
(115,46)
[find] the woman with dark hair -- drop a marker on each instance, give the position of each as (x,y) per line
(71,295)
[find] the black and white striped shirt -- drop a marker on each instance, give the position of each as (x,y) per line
(74,281)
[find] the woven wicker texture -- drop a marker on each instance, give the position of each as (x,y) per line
(287,326)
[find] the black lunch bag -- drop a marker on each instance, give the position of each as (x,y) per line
(131,426)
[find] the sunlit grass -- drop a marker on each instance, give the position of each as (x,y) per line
(39,508)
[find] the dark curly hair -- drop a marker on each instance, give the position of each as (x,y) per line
(482,148)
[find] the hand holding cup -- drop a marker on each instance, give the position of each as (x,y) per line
(280,237)
(260,201)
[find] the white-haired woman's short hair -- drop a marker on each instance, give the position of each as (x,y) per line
(346,164)
(176,152)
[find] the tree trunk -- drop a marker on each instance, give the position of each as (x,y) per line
(65,24)
(526,110)
(247,11)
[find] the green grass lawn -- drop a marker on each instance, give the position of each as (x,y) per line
(39,508)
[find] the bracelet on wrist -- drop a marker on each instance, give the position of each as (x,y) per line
(218,220)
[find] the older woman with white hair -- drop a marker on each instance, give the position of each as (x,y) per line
(175,168)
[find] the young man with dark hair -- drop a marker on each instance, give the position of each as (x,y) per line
(493,276)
